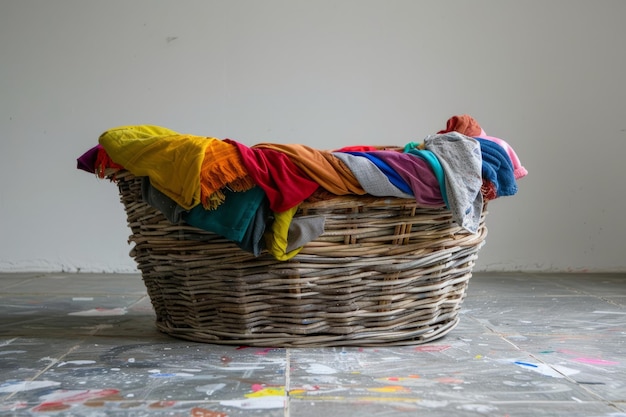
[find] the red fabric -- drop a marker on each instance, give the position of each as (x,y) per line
(284,183)
(104,162)
(464,124)
(488,190)
(358,148)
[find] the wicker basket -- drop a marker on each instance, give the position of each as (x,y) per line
(384,272)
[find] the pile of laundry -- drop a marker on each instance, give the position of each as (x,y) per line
(250,195)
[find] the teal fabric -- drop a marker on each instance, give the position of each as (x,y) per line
(231,218)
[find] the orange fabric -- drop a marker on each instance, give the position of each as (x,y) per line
(222,167)
(321,166)
(464,124)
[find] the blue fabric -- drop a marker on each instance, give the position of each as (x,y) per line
(497,167)
(393,176)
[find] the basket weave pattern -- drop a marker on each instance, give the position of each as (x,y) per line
(384,272)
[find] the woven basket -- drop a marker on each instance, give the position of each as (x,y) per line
(384,272)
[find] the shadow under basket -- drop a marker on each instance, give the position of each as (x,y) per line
(384,272)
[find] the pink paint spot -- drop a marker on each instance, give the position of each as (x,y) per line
(263,352)
(432,348)
(257,387)
(595,361)
(449,380)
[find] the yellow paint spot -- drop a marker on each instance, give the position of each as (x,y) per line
(297,391)
(390,388)
(267,392)
(399,379)
(478,357)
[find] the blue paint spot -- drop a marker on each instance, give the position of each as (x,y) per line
(532,365)
(162,375)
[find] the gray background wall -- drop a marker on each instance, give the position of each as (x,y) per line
(547,76)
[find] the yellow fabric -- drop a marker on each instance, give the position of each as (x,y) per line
(171,160)
(276,237)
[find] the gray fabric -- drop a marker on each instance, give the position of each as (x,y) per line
(461,160)
(304,229)
(155,198)
(371,178)
(253,241)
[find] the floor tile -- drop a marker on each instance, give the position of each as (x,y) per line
(526,345)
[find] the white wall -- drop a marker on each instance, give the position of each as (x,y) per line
(547,76)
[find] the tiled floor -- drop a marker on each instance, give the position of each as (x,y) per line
(527,345)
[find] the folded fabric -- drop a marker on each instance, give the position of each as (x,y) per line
(359,148)
(155,198)
(371,178)
(230,219)
(518,170)
(461,160)
(253,240)
(304,229)
(172,161)
(384,167)
(464,124)
(321,166)
(222,167)
(417,173)
(87,161)
(97,161)
(497,168)
(467,125)
(413,148)
(288,234)
(285,184)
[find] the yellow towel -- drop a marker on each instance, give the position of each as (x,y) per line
(276,237)
(171,160)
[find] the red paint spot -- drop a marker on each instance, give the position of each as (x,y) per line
(432,348)
(202,412)
(64,398)
(162,404)
(52,406)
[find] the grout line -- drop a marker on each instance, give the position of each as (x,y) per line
(287,380)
